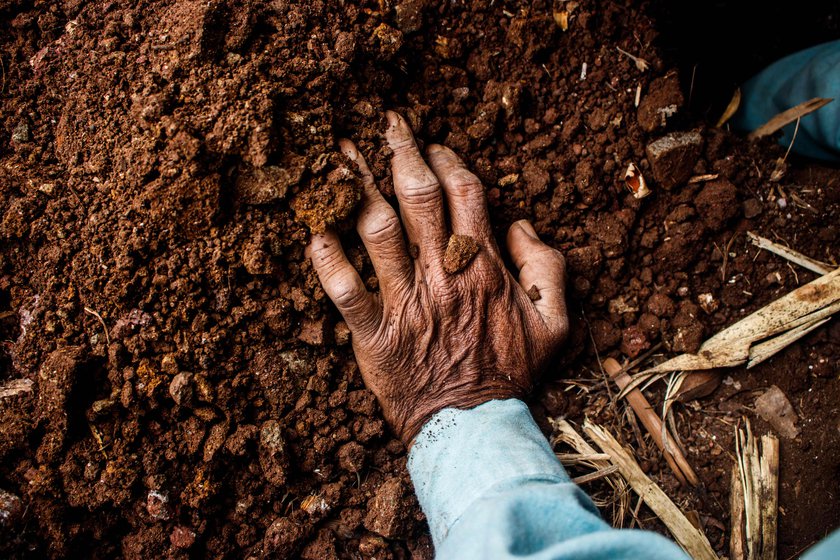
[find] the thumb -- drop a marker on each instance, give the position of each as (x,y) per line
(543,269)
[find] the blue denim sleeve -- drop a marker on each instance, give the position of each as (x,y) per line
(814,72)
(491,487)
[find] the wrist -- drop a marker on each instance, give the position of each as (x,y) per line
(422,413)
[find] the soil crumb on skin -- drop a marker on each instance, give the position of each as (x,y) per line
(534,293)
(459,252)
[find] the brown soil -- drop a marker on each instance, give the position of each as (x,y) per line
(175,381)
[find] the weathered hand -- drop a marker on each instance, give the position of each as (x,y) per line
(432,339)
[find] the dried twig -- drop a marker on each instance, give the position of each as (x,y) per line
(703,178)
(793,256)
(736,508)
(577,458)
(653,424)
(90,311)
(786,117)
(565,433)
(597,475)
(693,541)
(641,63)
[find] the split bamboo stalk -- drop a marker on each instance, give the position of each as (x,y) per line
(758,471)
(653,424)
(689,537)
(736,508)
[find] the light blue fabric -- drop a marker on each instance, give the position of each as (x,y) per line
(491,487)
(827,549)
(814,72)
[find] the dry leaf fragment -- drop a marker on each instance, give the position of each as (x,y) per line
(562,20)
(731,109)
(508,179)
(774,406)
(635,181)
(786,117)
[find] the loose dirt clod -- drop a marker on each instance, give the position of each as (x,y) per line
(672,157)
(459,252)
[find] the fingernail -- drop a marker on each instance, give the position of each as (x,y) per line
(393,118)
(348,148)
(528,228)
(435,148)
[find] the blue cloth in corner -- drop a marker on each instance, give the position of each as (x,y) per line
(814,72)
(491,487)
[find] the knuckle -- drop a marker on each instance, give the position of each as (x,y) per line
(422,191)
(403,145)
(347,290)
(463,183)
(327,258)
(380,227)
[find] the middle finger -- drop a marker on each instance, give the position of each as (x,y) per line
(418,192)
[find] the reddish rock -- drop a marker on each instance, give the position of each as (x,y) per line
(673,157)
(634,341)
(686,332)
(182,537)
(351,457)
(11,510)
(536,178)
(387,512)
(157,505)
(264,185)
(409,15)
(274,458)
(660,305)
(313,331)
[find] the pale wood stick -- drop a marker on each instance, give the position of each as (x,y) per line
(653,424)
(576,458)
(689,537)
(596,475)
(793,256)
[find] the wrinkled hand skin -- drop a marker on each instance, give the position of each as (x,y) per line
(431,340)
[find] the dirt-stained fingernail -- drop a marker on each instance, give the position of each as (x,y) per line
(393,118)
(348,148)
(435,148)
(528,228)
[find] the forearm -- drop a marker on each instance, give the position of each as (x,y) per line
(491,486)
